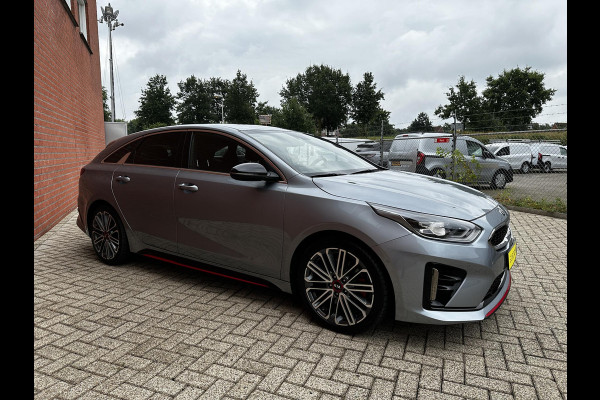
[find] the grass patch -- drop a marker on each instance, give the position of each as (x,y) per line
(557,205)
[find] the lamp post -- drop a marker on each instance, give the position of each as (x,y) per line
(111,20)
(220,97)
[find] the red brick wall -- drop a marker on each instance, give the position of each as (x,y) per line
(68,109)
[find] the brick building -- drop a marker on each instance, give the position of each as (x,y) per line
(68,107)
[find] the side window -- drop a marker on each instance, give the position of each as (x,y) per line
(563,151)
(159,150)
(474,149)
(116,156)
(219,153)
(505,151)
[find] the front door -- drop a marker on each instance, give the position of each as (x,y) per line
(223,221)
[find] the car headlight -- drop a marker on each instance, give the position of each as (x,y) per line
(431,226)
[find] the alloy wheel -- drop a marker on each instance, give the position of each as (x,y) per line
(106,235)
(338,287)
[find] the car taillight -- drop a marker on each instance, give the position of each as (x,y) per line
(420,158)
(539,156)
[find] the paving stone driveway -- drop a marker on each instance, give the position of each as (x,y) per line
(147,330)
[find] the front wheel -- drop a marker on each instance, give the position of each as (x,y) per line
(108,236)
(499,180)
(342,286)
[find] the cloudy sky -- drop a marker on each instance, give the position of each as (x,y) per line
(416,49)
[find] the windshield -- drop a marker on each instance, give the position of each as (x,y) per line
(310,155)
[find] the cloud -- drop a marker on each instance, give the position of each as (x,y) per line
(416,50)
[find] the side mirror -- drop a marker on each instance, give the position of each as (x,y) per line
(252,172)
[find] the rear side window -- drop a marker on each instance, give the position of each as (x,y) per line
(116,156)
(161,150)
(505,151)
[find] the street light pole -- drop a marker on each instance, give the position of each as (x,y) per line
(220,97)
(111,20)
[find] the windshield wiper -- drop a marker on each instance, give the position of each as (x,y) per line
(324,175)
(364,171)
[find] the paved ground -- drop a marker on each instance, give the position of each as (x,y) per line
(151,331)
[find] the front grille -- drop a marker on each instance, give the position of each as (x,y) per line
(498,235)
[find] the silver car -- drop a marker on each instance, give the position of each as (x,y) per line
(279,208)
(420,152)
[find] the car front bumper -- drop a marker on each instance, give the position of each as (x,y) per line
(480,286)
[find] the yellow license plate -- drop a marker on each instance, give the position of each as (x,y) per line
(512,256)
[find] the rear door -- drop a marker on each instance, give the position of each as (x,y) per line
(143,188)
(403,153)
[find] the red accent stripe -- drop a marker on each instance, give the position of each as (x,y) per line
(203,270)
(502,299)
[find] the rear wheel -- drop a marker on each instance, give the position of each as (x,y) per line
(439,173)
(525,167)
(342,286)
(108,236)
(547,166)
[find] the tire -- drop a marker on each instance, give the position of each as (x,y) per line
(346,297)
(525,168)
(439,173)
(547,166)
(499,180)
(109,239)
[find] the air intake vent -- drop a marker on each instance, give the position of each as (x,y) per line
(441,282)
(498,235)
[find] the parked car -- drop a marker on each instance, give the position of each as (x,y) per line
(349,143)
(418,152)
(372,152)
(274,207)
(549,156)
(518,154)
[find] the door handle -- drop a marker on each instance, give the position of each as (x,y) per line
(123,179)
(188,187)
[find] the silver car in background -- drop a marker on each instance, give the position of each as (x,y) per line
(372,152)
(274,207)
(420,153)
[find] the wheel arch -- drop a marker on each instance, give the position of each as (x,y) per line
(322,236)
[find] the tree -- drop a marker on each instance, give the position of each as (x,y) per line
(194,102)
(365,101)
(156,103)
(107,113)
(464,102)
(324,92)
(516,97)
(240,100)
(294,116)
(421,124)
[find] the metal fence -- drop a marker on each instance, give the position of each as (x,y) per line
(527,169)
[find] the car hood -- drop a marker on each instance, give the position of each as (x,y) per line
(410,191)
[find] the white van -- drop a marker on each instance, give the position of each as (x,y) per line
(518,154)
(549,156)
